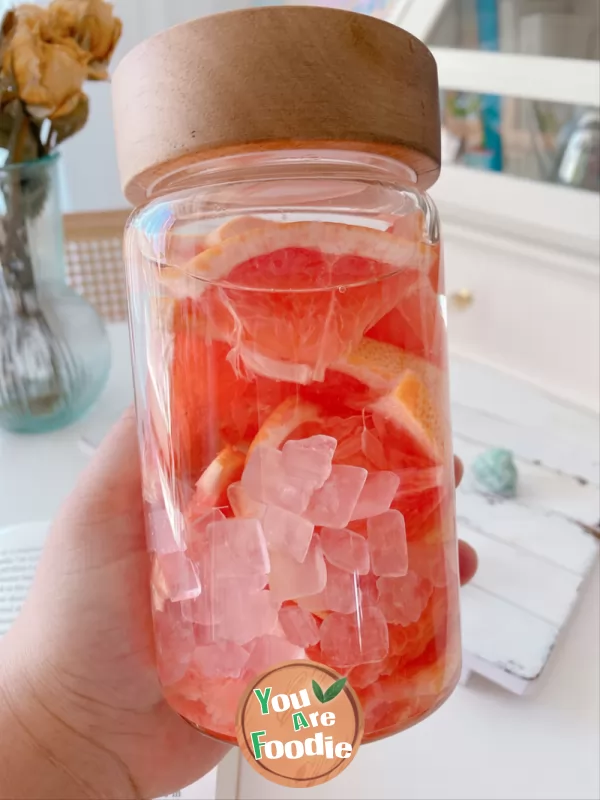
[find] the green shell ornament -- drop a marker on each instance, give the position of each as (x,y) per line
(496,472)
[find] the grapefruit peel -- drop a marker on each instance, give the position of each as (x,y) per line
(329,238)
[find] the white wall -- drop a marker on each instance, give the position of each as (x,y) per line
(523,319)
(90,179)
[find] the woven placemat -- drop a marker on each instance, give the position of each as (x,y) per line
(94,260)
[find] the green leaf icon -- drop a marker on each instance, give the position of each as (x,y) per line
(334,690)
(318,692)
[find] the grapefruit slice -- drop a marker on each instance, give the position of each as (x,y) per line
(298,296)
(171,246)
(208,404)
(235,227)
(410,408)
(257,364)
(352,276)
(211,487)
(205,403)
(410,404)
(414,227)
(302,293)
(379,365)
(161,256)
(323,238)
(284,420)
(168,253)
(415,324)
(181,246)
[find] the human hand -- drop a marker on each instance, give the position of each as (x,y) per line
(80,684)
(82,649)
(467,557)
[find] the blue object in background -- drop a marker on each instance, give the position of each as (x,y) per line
(374,7)
(491,105)
(496,472)
(370,6)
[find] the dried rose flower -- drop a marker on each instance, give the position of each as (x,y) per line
(91,24)
(48,77)
(46,54)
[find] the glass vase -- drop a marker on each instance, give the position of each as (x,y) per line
(54,349)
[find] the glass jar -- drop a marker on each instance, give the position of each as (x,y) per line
(290,365)
(54,349)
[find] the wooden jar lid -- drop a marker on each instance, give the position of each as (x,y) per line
(268,78)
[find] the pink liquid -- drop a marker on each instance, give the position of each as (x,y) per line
(298,473)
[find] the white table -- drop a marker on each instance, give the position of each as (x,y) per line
(38,471)
(484,743)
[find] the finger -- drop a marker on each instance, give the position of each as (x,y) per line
(113,476)
(467,562)
(96,543)
(105,510)
(458,470)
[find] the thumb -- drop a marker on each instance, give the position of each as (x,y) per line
(112,480)
(93,571)
(103,517)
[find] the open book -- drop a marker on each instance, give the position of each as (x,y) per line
(20,548)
